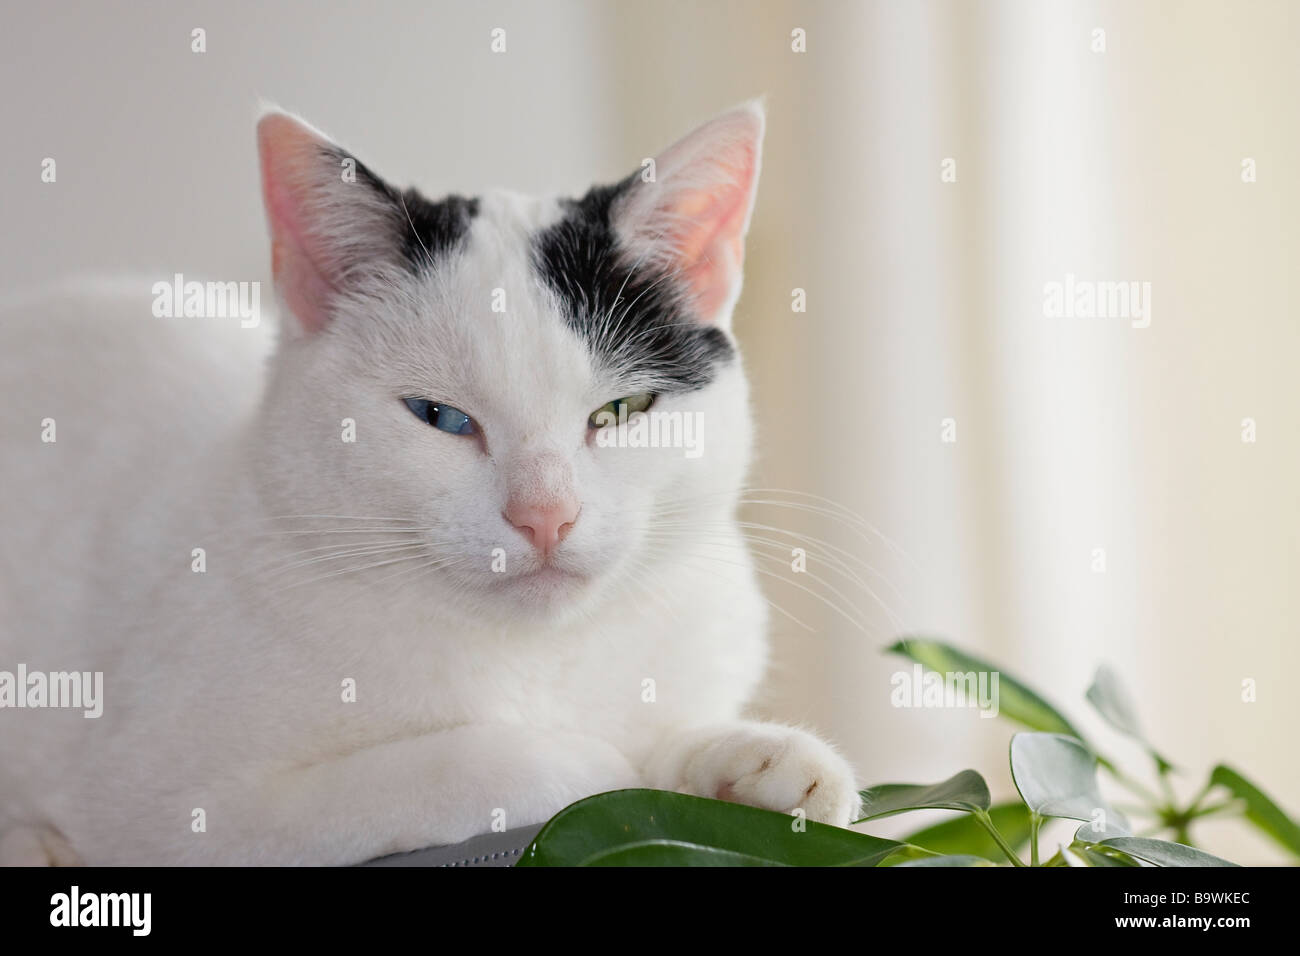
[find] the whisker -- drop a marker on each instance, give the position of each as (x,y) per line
(833,561)
(352,570)
(338,555)
(736,585)
(757,570)
(809,574)
(346,531)
(337,517)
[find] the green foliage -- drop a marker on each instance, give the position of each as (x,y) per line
(1015,700)
(1057,777)
(649,827)
(1260,810)
(966,834)
(966,791)
(1108,698)
(1053,768)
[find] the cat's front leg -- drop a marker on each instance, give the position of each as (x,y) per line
(442,788)
(764,765)
(405,794)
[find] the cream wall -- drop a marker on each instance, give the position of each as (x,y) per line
(924,298)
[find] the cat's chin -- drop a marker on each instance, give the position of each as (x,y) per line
(548,593)
(546,588)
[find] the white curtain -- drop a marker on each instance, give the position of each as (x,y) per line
(1081,444)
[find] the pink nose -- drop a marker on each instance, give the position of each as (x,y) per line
(544,524)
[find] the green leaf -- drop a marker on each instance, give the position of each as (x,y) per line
(1094,854)
(672,853)
(905,853)
(1069,857)
(1086,834)
(1163,853)
(659,825)
(964,835)
(1014,699)
(1057,777)
(964,859)
(1108,697)
(963,791)
(1260,809)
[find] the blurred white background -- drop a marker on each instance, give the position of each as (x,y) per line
(925,297)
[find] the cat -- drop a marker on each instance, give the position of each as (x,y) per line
(382,576)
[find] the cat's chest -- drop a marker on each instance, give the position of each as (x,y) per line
(619,676)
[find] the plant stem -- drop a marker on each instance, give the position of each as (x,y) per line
(987,823)
(1035,821)
(1217,808)
(1196,801)
(1165,785)
(1132,785)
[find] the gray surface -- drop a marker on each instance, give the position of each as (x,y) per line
(490,849)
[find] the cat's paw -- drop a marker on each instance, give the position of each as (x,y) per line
(777,768)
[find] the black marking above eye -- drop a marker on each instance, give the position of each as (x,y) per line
(435,228)
(426,229)
(635,319)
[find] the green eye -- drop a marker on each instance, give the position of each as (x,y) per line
(619,410)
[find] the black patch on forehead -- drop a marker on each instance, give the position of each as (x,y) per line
(634,318)
(428,229)
(435,228)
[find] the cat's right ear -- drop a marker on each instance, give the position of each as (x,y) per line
(691,216)
(331,220)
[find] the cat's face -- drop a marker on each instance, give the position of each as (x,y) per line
(454,365)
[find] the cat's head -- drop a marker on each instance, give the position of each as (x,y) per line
(444,366)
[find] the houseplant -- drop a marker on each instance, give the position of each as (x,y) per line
(1053,766)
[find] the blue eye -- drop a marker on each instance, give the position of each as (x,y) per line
(442,417)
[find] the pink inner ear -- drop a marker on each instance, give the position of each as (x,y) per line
(290,159)
(699,218)
(712,255)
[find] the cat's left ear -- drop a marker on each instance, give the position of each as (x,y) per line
(692,216)
(333,222)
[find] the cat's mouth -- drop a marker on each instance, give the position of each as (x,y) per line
(549,575)
(549,572)
(546,584)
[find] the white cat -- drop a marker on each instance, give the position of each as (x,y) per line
(360,590)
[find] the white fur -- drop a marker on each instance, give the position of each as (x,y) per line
(476,691)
